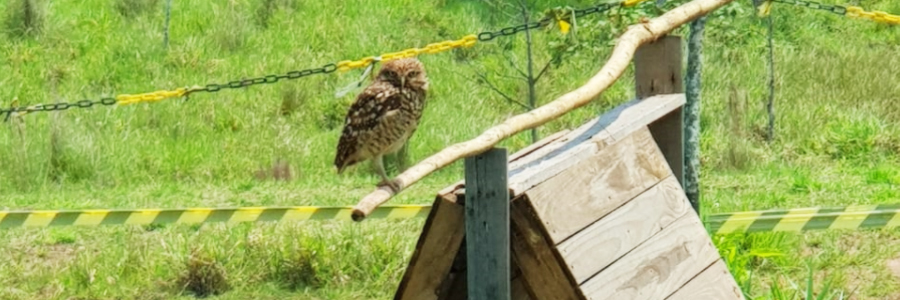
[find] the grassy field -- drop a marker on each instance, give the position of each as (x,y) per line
(837,139)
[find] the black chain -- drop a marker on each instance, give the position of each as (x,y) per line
(595,9)
(490,35)
(268,79)
(56,106)
(837,9)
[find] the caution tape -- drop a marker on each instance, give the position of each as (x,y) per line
(94,217)
(790,220)
(803,219)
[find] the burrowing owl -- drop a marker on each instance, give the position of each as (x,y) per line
(384,116)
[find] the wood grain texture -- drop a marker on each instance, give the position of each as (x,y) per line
(657,70)
(454,285)
(668,133)
(713,283)
(597,185)
(457,287)
(590,137)
(487,226)
(441,237)
(659,266)
(542,269)
(540,144)
(618,62)
(610,238)
(519,289)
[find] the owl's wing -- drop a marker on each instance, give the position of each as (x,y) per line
(372,106)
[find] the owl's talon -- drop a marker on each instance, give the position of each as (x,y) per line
(393,184)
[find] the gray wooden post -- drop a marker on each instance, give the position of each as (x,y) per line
(487,226)
(658,70)
(692,114)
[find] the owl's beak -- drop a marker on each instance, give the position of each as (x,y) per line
(403,81)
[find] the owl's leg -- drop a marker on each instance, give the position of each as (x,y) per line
(403,157)
(378,161)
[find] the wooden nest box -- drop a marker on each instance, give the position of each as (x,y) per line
(595,213)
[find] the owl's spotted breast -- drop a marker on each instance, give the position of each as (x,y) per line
(380,121)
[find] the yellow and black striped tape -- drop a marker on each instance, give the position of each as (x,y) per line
(93,217)
(802,219)
(797,219)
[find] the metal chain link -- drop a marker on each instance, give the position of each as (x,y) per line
(268,79)
(121,99)
(837,9)
(490,35)
(55,106)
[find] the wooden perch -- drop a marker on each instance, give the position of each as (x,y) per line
(619,60)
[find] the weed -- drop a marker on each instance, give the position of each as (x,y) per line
(133,8)
(24,18)
(232,31)
(295,269)
(203,275)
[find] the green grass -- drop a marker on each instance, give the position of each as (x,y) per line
(837,139)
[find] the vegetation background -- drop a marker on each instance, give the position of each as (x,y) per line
(837,138)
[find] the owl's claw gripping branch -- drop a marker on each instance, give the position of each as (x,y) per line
(619,60)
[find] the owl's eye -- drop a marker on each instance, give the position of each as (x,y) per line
(413,74)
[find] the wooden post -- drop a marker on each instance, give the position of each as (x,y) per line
(487,226)
(658,70)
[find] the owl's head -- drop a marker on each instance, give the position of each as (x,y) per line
(407,73)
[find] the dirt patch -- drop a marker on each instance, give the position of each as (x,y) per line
(893,265)
(57,255)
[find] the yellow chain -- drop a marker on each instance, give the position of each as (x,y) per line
(630,3)
(467,41)
(125,99)
(877,16)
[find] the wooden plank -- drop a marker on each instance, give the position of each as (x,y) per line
(713,283)
(610,238)
(636,114)
(542,268)
(658,67)
(598,184)
(659,266)
(523,156)
(524,152)
(602,131)
(658,70)
(457,291)
(437,246)
(519,289)
(669,136)
(487,226)
(455,285)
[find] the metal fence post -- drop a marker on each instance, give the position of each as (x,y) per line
(692,114)
(166,29)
